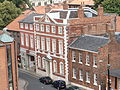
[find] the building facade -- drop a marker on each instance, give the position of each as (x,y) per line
(8,64)
(44,2)
(88,59)
(44,42)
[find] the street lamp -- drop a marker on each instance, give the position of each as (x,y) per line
(108,69)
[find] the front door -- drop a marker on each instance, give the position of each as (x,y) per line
(32,63)
(48,68)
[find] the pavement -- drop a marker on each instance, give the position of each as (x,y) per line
(22,84)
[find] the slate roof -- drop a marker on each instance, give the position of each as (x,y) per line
(29,19)
(115,73)
(6,38)
(89,43)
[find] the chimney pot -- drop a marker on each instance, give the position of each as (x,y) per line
(100,10)
(65,5)
(80,12)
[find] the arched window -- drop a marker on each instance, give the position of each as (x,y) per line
(61,68)
(55,66)
(43,63)
(39,61)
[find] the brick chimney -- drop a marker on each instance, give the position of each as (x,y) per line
(48,8)
(65,5)
(110,32)
(80,12)
(100,10)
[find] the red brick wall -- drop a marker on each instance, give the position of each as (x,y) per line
(4,68)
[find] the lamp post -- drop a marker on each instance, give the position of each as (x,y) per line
(108,69)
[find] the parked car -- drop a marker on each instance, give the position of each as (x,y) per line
(59,84)
(73,88)
(46,80)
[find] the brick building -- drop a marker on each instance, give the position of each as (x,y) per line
(45,39)
(44,47)
(114,79)
(88,60)
(77,3)
(8,64)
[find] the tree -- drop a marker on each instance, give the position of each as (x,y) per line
(111,6)
(8,12)
(97,2)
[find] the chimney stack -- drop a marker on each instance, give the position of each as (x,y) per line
(65,5)
(100,11)
(80,12)
(47,8)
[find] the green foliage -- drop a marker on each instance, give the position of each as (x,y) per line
(97,2)
(8,12)
(111,6)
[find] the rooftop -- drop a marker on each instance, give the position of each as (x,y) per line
(4,37)
(115,73)
(89,43)
(29,18)
(81,2)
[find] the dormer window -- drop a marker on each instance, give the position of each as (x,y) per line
(26,26)
(21,25)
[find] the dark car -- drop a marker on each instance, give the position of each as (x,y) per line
(46,80)
(73,88)
(59,84)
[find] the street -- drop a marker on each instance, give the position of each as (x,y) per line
(33,82)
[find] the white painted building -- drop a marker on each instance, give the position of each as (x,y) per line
(44,2)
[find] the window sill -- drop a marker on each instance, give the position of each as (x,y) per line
(94,66)
(87,81)
(95,84)
(87,64)
(73,60)
(74,77)
(81,79)
(80,63)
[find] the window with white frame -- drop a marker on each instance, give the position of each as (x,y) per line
(43,63)
(54,45)
(48,44)
(21,25)
(74,73)
(31,41)
(55,66)
(22,38)
(53,29)
(47,28)
(27,40)
(37,27)
(61,68)
(61,47)
(42,27)
(95,79)
(60,30)
(87,59)
(80,58)
(38,42)
(39,61)
(94,61)
(31,27)
(73,56)
(43,43)
(26,26)
(87,77)
(81,75)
